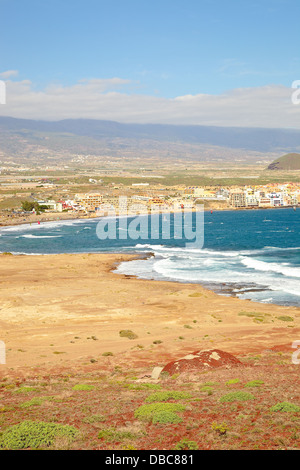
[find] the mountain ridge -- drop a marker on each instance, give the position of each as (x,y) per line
(111,136)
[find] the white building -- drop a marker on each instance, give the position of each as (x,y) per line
(53,206)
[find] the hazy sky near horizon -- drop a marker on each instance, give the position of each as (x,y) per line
(189,62)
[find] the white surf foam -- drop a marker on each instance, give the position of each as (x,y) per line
(40,236)
(289,271)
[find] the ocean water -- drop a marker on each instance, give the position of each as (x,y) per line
(252,254)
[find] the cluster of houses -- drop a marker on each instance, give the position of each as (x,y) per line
(283,195)
(185,198)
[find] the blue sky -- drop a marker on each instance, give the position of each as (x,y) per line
(165,49)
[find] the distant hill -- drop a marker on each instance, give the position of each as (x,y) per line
(40,140)
(290,161)
(259,139)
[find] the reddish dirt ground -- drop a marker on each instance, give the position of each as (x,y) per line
(61,319)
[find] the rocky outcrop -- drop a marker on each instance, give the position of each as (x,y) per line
(201,360)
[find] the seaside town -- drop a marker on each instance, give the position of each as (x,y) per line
(188,198)
(137,198)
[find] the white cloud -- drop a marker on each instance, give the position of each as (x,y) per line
(8,74)
(116,99)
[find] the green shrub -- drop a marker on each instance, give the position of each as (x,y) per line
(34,435)
(257,316)
(26,390)
(115,435)
(144,386)
(185,444)
(175,376)
(36,401)
(94,419)
(128,334)
(207,389)
(83,387)
(166,395)
(232,381)
(150,411)
(237,396)
(220,428)
(285,318)
(254,383)
(166,417)
(285,406)
(210,384)
(250,314)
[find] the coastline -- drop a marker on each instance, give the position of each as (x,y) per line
(65,310)
(224,289)
(52,217)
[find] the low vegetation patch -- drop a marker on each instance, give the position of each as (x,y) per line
(250,314)
(83,387)
(94,419)
(206,388)
(232,381)
(35,401)
(186,444)
(258,317)
(114,435)
(166,395)
(128,334)
(158,412)
(286,407)
(254,383)
(285,318)
(166,417)
(237,396)
(144,386)
(26,390)
(221,429)
(119,406)
(35,435)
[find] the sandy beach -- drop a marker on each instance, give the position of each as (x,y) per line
(18,219)
(68,310)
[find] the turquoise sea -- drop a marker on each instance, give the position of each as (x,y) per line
(253,254)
